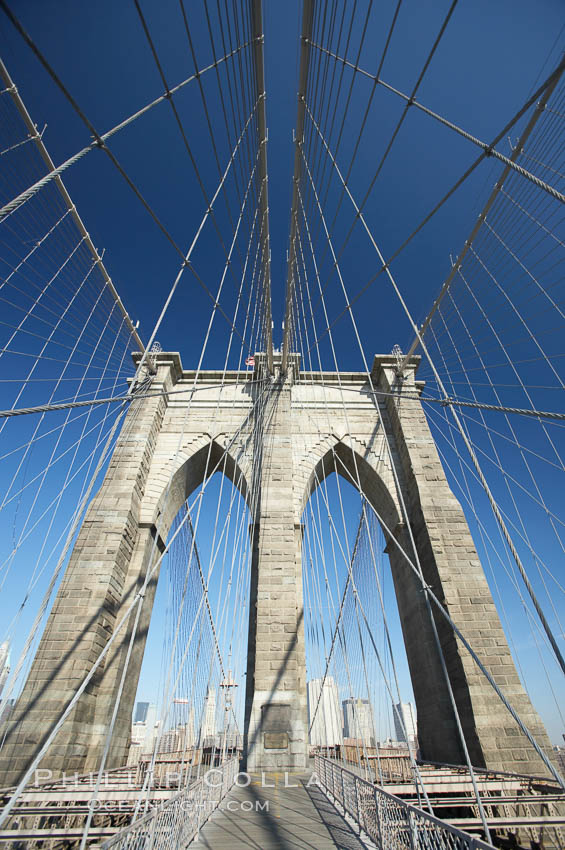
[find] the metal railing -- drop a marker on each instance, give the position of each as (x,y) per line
(386,765)
(389,821)
(529,778)
(176,822)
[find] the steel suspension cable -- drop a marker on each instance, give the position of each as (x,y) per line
(553,78)
(4,75)
(417,569)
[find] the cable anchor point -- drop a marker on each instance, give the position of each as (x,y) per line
(152,358)
(399,358)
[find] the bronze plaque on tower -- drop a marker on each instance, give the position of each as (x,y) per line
(275,740)
(276,725)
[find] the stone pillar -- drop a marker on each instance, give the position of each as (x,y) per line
(452,569)
(107,565)
(276,732)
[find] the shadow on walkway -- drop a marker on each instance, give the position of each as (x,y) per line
(340,830)
(286,816)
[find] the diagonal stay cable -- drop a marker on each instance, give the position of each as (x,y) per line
(54,173)
(553,77)
(445,614)
(494,506)
(117,629)
(426,589)
(407,520)
(412,96)
(369,102)
(489,150)
(102,145)
(43,152)
(540,107)
(394,134)
(209,203)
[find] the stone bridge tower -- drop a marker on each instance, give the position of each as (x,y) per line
(313,424)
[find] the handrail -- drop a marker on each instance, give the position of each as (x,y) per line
(491,772)
(388,820)
(177,821)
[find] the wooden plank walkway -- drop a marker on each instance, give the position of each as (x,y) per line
(279,818)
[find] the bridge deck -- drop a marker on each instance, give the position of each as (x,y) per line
(283,817)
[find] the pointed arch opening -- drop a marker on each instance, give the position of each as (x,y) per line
(359,687)
(193,634)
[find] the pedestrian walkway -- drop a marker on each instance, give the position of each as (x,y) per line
(284,812)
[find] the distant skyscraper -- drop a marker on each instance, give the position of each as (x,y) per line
(144,727)
(4,664)
(358,720)
(138,733)
(151,728)
(185,733)
(141,710)
(406,710)
(326,729)
(171,741)
(190,735)
(208,732)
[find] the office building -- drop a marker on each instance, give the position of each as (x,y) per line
(358,721)
(325,712)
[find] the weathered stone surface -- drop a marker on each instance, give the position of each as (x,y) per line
(315,424)
(276,676)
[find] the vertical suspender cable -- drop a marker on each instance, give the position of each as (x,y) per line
(540,107)
(446,400)
(307,17)
(258,38)
(9,83)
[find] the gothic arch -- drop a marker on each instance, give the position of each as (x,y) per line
(123,531)
(358,464)
(170,484)
(344,457)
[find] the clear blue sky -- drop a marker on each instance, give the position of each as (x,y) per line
(484,70)
(490,61)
